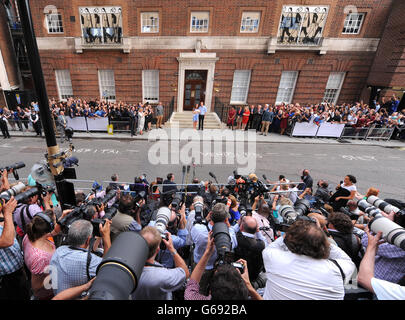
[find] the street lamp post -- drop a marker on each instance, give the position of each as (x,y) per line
(54,156)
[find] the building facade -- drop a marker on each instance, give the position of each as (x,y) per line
(240,52)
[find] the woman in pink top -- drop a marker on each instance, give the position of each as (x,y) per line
(38,251)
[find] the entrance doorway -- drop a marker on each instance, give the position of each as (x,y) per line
(194,88)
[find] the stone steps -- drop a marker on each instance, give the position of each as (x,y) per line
(185,120)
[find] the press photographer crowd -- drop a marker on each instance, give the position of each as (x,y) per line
(139,118)
(248,238)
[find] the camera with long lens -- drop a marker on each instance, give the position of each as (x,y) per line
(384,206)
(119,271)
(223,245)
(245,209)
(392,232)
(13,191)
(199,213)
(23,196)
(141,195)
(162,220)
(302,207)
(368,208)
(14,167)
(177,202)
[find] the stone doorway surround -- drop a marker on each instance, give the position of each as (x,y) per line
(196,61)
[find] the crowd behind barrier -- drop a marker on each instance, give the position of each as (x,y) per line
(200,240)
(381,120)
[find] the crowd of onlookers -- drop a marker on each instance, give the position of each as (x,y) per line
(319,255)
(281,118)
(138,118)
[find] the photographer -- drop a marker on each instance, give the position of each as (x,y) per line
(323,192)
(303,265)
(177,229)
(5,185)
(127,217)
(389,259)
(169,184)
(156,281)
(251,243)
(226,283)
(75,264)
(340,227)
(262,215)
(384,290)
(27,209)
(199,233)
(13,279)
(345,191)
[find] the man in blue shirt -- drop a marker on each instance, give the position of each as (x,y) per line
(200,233)
(201,116)
(70,262)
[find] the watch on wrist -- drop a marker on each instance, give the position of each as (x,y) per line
(173,253)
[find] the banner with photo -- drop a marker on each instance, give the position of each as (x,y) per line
(302,24)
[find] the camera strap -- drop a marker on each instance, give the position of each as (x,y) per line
(88,257)
(340,269)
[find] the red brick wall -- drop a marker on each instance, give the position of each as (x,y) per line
(225,17)
(264,83)
(224,21)
(388,69)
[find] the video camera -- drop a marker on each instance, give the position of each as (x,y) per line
(14,167)
(82,212)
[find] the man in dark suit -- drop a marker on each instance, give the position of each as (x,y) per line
(169,184)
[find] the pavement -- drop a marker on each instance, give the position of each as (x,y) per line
(184,134)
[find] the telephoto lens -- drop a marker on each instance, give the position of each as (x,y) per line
(13,191)
(162,220)
(302,207)
(288,213)
(368,208)
(119,271)
(222,238)
(27,194)
(382,205)
(199,211)
(15,166)
(393,233)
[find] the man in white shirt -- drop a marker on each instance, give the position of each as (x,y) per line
(304,265)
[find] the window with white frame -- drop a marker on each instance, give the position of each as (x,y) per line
(54,22)
(150,22)
(353,23)
(333,87)
(150,86)
(287,86)
(107,84)
(250,22)
(199,21)
(64,84)
(240,86)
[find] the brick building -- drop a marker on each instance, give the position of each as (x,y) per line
(238,52)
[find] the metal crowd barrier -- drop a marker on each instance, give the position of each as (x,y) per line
(367,133)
